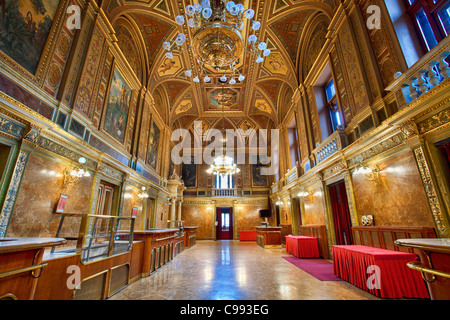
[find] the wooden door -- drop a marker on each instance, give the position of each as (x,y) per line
(224,228)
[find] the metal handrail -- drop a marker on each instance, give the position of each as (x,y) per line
(418,267)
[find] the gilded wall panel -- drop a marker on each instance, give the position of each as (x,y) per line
(399,200)
(85,90)
(350,55)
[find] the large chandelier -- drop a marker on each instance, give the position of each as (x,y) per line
(223,165)
(217,41)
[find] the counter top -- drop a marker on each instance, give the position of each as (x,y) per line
(268,227)
(432,244)
(8,245)
(155,231)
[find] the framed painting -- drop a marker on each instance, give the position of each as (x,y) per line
(24,28)
(61,203)
(258,180)
(134,212)
(153,144)
(116,114)
(189,175)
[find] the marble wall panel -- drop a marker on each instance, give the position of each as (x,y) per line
(399,200)
(247,217)
(38,196)
(130,201)
(201,217)
(313,212)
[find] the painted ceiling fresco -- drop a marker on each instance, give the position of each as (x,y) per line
(250,103)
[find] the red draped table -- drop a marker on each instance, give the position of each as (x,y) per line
(302,246)
(381,272)
(247,235)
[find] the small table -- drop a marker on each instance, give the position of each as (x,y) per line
(302,246)
(381,272)
(247,235)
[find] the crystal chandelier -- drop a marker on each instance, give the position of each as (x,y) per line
(223,166)
(217,41)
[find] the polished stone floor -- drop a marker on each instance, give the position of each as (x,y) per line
(233,270)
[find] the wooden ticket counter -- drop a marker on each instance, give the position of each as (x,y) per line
(21,265)
(157,251)
(190,236)
(268,237)
(434,264)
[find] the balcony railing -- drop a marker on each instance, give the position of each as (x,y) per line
(429,72)
(225,192)
(335,142)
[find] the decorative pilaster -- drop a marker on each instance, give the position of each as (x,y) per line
(11,194)
(441,223)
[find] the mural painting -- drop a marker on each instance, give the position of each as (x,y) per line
(117,108)
(153,145)
(24,28)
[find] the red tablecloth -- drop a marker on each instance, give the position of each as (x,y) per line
(395,279)
(247,235)
(302,246)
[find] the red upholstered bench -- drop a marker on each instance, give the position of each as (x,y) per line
(247,235)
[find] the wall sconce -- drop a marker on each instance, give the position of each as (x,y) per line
(368,173)
(77,172)
(304,194)
(279,202)
(143,195)
(168,203)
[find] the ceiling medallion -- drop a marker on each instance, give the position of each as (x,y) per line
(217,41)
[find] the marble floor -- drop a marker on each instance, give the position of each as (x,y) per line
(233,270)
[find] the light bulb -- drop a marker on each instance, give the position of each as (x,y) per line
(190,10)
(188,73)
(198,7)
(206,4)
(166,45)
(234,10)
(240,26)
(259,59)
(230,5)
(223,78)
(191,23)
(241,78)
(252,38)
(232,81)
(169,55)
(256,25)
(196,79)
(262,46)
(207,79)
(249,14)
(179,20)
(207,12)
(266,52)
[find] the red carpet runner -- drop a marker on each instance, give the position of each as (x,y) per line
(318,268)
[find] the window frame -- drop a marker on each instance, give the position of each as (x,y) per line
(431,11)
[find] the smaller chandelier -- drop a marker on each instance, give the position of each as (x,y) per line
(216,38)
(223,166)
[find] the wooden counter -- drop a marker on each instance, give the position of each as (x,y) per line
(268,237)
(190,236)
(434,264)
(21,265)
(158,250)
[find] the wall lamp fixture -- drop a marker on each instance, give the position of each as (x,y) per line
(368,173)
(76,174)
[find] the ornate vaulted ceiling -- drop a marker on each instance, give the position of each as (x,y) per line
(293,29)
